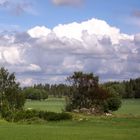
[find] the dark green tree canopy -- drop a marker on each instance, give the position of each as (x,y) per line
(126,89)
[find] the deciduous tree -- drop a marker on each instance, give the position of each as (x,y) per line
(11,96)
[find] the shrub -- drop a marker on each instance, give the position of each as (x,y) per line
(113,103)
(7,115)
(25,115)
(105,107)
(31,115)
(65,116)
(52,116)
(69,107)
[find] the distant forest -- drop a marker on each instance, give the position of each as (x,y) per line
(126,89)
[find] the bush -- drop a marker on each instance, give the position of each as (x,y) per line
(114,103)
(65,116)
(52,116)
(7,115)
(111,104)
(30,115)
(68,107)
(25,115)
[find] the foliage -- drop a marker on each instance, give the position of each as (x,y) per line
(113,104)
(35,94)
(86,93)
(25,115)
(126,89)
(11,97)
(82,85)
(52,116)
(55,90)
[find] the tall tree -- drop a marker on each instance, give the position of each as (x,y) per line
(11,96)
(86,93)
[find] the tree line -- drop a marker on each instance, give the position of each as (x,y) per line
(126,89)
(42,91)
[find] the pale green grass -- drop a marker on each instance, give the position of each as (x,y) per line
(51,104)
(129,107)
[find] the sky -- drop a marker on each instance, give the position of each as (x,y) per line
(45,41)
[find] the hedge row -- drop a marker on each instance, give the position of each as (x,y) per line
(25,115)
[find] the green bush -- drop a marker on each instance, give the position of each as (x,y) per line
(27,115)
(5,112)
(69,107)
(65,116)
(7,115)
(105,107)
(114,103)
(52,116)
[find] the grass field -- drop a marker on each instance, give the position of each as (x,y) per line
(130,107)
(51,104)
(95,128)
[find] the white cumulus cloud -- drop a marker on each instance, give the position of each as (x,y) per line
(50,55)
(38,32)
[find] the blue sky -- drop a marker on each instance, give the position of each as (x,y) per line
(47,40)
(43,12)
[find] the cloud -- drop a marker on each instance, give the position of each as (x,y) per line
(96,27)
(137,39)
(33,67)
(26,82)
(136,13)
(38,32)
(17,7)
(67,2)
(10,55)
(50,55)
(134,18)
(4,3)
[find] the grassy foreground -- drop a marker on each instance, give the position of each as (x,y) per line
(126,126)
(93,129)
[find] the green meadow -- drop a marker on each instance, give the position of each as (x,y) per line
(51,104)
(130,107)
(125,125)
